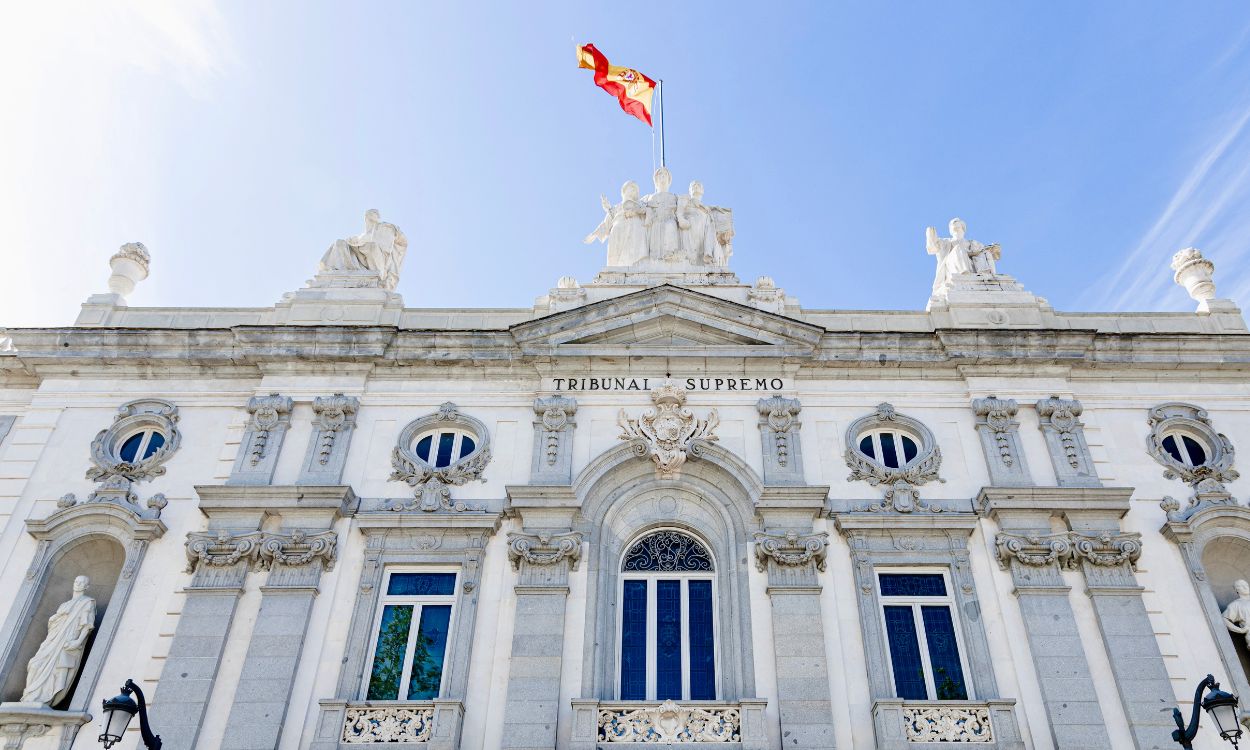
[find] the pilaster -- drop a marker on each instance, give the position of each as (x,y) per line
(1061,425)
(334,421)
(262,441)
(779,438)
(1000,440)
(553,440)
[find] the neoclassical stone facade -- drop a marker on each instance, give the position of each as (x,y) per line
(659,506)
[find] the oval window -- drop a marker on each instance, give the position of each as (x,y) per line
(893,449)
(140,446)
(441,448)
(1185,449)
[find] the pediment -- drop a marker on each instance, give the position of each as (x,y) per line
(667,321)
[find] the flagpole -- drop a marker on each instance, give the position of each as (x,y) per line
(660,86)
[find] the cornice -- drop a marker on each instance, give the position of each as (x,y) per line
(993,501)
(334,500)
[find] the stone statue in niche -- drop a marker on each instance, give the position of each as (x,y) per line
(623,228)
(1237,615)
(380,249)
(957,255)
(665,232)
(51,671)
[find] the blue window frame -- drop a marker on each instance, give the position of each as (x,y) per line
(926,660)
(667,626)
(410,643)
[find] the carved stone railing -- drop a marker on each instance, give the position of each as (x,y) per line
(401,722)
(738,725)
(916,724)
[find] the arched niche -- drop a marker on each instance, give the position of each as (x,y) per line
(713,500)
(1215,544)
(104,540)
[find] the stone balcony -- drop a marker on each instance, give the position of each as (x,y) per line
(432,724)
(916,725)
(731,724)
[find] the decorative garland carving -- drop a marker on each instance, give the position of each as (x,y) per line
(900,495)
(669,432)
(333,413)
(298,548)
(544,549)
(780,414)
(555,413)
(433,485)
(791,549)
(670,723)
(260,549)
(367,724)
(947,723)
(999,414)
(1063,415)
(267,413)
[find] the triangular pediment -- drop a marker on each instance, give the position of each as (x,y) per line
(667,321)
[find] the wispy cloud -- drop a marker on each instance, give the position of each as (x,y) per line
(1208,210)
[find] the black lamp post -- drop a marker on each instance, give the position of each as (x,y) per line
(1221,706)
(117,715)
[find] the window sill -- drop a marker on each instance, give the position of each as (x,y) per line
(915,725)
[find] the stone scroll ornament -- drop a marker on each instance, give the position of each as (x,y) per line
(259,549)
(433,485)
(670,723)
(267,414)
(901,495)
(115,476)
(669,433)
(791,549)
(544,549)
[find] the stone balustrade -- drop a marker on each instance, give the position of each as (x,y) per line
(735,724)
(400,721)
(930,724)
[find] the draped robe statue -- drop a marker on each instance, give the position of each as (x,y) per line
(958,255)
(623,228)
(52,669)
(663,236)
(380,248)
(1237,615)
(697,226)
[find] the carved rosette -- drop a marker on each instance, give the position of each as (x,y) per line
(669,433)
(432,486)
(1034,550)
(544,549)
(791,549)
(268,412)
(331,415)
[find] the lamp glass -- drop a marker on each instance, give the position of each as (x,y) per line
(1222,708)
(117,715)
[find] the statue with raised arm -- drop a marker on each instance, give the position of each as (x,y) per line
(380,248)
(663,236)
(623,228)
(1237,615)
(51,671)
(959,255)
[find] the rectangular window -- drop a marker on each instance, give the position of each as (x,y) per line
(668,644)
(410,644)
(926,660)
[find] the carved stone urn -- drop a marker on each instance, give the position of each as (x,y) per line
(130,266)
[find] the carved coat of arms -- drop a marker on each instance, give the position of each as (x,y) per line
(669,432)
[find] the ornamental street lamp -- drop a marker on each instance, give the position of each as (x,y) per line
(117,715)
(1221,706)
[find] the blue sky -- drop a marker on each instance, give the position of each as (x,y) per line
(237,140)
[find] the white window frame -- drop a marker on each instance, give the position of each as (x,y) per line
(652,618)
(916,602)
(876,433)
(418,603)
(1186,459)
(460,434)
(147,433)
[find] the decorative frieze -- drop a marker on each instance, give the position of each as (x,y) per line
(779,436)
(670,723)
(397,724)
(334,421)
(259,549)
(262,440)
(669,433)
(553,440)
(947,723)
(1000,441)
(1065,439)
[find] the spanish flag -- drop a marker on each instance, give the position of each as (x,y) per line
(631,88)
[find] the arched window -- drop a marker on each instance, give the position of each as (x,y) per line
(667,629)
